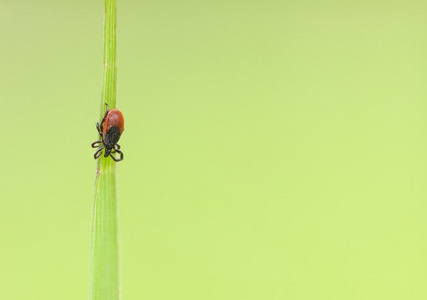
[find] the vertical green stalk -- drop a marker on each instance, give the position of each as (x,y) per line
(104,265)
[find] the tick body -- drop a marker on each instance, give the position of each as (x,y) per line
(110,130)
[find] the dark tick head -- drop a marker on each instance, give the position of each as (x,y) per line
(112,137)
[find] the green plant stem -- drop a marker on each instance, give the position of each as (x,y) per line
(104,264)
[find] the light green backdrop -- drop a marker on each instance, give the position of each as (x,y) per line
(273,149)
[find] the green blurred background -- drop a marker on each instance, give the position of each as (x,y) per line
(273,149)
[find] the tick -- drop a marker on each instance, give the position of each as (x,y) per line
(110,130)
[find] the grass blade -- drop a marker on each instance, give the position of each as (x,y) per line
(104,265)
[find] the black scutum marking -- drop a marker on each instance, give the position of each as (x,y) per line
(112,137)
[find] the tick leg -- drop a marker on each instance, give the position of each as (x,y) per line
(99,130)
(98,153)
(116,146)
(96,144)
(118,151)
(105,116)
